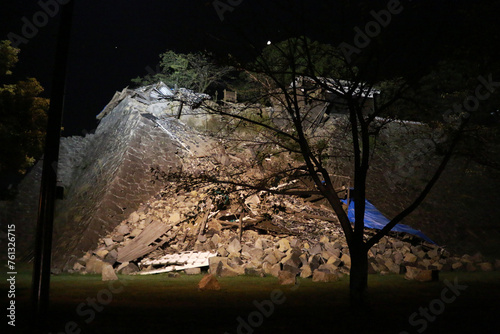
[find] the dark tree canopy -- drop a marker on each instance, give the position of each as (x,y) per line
(8,58)
(23,115)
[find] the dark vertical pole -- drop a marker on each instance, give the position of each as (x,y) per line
(179,111)
(43,246)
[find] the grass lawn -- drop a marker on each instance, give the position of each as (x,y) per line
(162,304)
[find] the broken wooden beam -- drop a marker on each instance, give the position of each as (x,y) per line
(311,216)
(141,245)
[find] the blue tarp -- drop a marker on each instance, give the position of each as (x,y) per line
(375,219)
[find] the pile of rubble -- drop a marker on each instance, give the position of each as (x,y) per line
(205,218)
(262,234)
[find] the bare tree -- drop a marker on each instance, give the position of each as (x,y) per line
(291,128)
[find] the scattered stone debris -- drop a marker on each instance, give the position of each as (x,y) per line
(283,236)
(196,223)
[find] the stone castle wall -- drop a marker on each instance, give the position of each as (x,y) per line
(109,177)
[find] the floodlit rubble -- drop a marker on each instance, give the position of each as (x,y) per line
(159,196)
(230,231)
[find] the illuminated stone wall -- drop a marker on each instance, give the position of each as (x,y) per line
(108,177)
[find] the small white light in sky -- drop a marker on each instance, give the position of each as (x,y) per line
(268,42)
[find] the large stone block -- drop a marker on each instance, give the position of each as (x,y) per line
(192,271)
(275,270)
(209,282)
(410,258)
(234,246)
(133,217)
(127,268)
(324,276)
(422,275)
(292,259)
(263,243)
(108,273)
(457,266)
(393,268)
(256,253)
(486,266)
(314,262)
(470,267)
(214,264)
(316,249)
(251,271)
(94,265)
(346,260)
(305,271)
(428,276)
(283,245)
(286,277)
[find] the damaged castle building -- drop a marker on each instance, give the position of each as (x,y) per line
(120,208)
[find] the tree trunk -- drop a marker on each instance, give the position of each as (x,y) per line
(359,275)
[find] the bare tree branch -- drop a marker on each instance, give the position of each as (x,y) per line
(376,238)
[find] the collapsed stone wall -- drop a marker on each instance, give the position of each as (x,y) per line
(107,175)
(108,179)
(252,232)
(280,234)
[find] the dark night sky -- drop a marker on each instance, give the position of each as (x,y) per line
(114,41)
